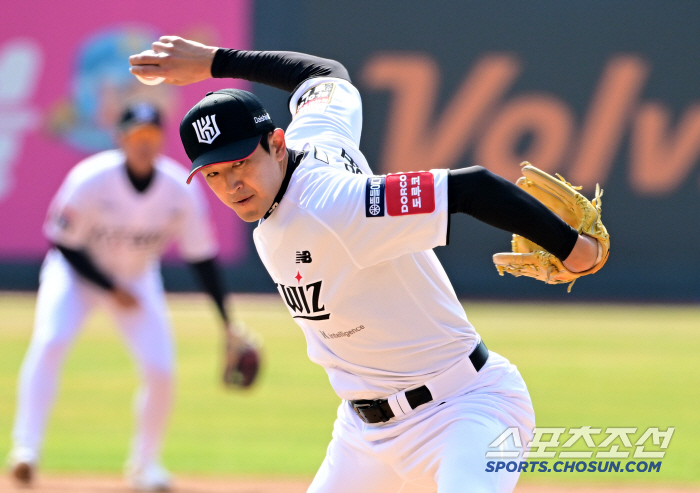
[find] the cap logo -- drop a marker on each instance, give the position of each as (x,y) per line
(260,119)
(206,129)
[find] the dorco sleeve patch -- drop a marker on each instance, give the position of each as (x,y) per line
(316,98)
(410,193)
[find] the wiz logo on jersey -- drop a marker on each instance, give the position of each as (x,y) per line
(206,129)
(304,299)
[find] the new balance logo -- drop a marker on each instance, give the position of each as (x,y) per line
(304,257)
(206,129)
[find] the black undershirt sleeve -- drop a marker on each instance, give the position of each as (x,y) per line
(206,271)
(85,267)
(281,69)
(208,274)
(499,203)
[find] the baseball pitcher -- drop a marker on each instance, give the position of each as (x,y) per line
(350,253)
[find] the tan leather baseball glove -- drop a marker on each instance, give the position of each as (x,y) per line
(562,198)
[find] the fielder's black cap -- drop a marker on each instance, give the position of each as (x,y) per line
(224,126)
(139,114)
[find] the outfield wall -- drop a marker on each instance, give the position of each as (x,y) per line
(601,92)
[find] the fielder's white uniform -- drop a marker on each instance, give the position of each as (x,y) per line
(351,256)
(124,232)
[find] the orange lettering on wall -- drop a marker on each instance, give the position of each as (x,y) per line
(661,159)
(551,124)
(605,122)
(413,140)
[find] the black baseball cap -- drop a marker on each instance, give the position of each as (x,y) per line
(224,126)
(138,114)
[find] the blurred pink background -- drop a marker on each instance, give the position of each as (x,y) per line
(62,85)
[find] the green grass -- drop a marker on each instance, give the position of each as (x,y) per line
(599,365)
(606,366)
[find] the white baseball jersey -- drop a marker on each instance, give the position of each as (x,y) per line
(125,231)
(351,255)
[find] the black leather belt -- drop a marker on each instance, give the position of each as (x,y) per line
(379,410)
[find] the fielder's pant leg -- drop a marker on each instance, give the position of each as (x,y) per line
(350,465)
(148,335)
(63,302)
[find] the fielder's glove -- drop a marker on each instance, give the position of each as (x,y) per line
(562,198)
(242,358)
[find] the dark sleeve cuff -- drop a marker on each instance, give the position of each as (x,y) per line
(207,272)
(85,267)
(495,201)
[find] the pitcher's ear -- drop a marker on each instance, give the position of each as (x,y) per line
(278,144)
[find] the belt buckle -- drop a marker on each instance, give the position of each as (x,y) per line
(370,411)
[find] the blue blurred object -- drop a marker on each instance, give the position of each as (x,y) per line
(101,80)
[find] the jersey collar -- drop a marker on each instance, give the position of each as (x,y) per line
(293,161)
(140,184)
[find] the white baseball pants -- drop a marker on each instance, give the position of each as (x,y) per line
(64,301)
(440,447)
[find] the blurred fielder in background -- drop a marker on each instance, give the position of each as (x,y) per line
(111,220)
